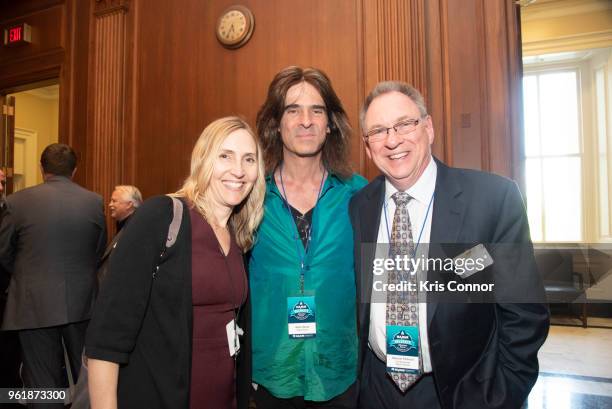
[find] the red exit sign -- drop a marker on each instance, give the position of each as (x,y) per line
(18,34)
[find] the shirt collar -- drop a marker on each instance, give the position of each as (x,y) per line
(58,178)
(424,187)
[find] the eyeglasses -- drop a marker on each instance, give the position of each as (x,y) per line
(401,128)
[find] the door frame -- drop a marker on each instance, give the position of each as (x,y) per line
(30,138)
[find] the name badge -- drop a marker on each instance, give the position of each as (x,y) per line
(301,317)
(403,349)
(233,342)
(479,259)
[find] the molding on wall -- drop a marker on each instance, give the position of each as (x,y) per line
(394,47)
(108,96)
(30,141)
(103,7)
(541,10)
(50,93)
(599,39)
(400,27)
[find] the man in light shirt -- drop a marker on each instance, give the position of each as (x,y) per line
(417,351)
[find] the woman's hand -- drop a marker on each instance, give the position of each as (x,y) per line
(103,377)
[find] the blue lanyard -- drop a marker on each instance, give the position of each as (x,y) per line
(301,256)
(422,227)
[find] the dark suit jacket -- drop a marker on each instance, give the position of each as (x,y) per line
(103,264)
(51,239)
(5,277)
(484,355)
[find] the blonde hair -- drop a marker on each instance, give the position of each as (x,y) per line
(246,216)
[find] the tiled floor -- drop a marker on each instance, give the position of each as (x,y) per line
(575,369)
(577,351)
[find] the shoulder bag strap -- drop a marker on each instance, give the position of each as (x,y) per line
(173,229)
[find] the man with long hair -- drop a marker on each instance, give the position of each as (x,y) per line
(302,283)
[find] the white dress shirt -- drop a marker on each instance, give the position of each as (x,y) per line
(422,193)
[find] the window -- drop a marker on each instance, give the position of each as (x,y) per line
(567,146)
(553,157)
(603,170)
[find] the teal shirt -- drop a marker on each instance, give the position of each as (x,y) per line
(322,367)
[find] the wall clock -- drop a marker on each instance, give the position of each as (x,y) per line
(235,26)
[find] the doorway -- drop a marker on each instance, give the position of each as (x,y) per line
(31,122)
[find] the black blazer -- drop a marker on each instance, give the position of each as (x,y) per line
(484,355)
(145,323)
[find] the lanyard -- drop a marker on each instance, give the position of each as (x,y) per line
(301,256)
(242,297)
(422,227)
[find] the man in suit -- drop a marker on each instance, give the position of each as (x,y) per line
(4,276)
(9,344)
(125,200)
(2,184)
(51,239)
(456,350)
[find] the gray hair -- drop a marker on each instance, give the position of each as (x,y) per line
(130,193)
(392,86)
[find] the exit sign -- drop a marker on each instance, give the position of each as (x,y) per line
(18,34)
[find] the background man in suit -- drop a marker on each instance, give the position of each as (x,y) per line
(2,183)
(467,355)
(124,202)
(51,239)
(4,276)
(9,344)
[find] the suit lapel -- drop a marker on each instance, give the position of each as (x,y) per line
(370,220)
(111,245)
(447,219)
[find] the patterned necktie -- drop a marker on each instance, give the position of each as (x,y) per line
(402,306)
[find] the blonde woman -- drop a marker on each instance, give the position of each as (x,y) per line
(164,340)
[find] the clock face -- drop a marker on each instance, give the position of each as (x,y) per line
(235,26)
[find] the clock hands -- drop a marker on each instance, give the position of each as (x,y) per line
(234,27)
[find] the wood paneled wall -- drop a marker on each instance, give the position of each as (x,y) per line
(58,53)
(107,90)
(187,79)
(156,74)
(474,83)
(393,49)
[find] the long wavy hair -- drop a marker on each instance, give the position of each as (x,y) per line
(247,215)
(337,143)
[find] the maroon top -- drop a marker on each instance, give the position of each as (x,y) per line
(219,285)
